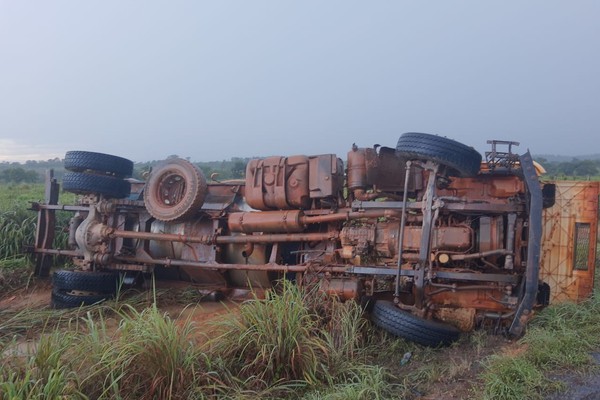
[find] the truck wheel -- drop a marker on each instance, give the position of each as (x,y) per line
(460,159)
(79,161)
(175,190)
(105,282)
(405,325)
(82,183)
(65,299)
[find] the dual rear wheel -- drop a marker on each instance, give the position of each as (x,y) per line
(97,173)
(82,288)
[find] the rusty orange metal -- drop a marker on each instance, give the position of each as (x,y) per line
(426,223)
(576,206)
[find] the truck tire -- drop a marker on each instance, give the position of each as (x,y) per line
(405,325)
(460,159)
(175,190)
(79,161)
(105,282)
(82,183)
(64,299)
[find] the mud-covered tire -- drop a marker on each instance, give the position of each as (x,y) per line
(410,327)
(175,190)
(83,183)
(105,282)
(65,299)
(460,159)
(79,161)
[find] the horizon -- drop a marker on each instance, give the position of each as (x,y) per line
(580,157)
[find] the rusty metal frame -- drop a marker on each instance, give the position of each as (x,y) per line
(498,276)
(46,224)
(532,271)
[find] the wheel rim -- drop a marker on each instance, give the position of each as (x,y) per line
(171,189)
(175,190)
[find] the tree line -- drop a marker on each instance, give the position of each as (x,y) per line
(235,168)
(575,168)
(35,171)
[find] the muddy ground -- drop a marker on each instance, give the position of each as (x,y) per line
(465,360)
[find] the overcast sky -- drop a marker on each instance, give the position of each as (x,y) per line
(211,80)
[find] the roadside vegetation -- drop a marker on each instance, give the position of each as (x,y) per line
(31,172)
(275,348)
(285,347)
(561,338)
(294,344)
(17,231)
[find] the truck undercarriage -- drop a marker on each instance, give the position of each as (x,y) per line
(437,241)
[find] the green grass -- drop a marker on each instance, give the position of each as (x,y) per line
(364,382)
(148,356)
(17,230)
(273,340)
(509,377)
(159,358)
(292,345)
(17,222)
(15,233)
(44,375)
(560,338)
(278,348)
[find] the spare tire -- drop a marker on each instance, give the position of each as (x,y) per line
(410,327)
(460,159)
(79,161)
(175,190)
(82,183)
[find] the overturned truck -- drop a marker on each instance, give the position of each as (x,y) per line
(432,239)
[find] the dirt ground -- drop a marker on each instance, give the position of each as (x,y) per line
(38,296)
(464,361)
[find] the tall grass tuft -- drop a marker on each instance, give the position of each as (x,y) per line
(96,358)
(147,356)
(44,375)
(298,339)
(15,233)
(273,340)
(17,224)
(346,333)
(346,329)
(160,358)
